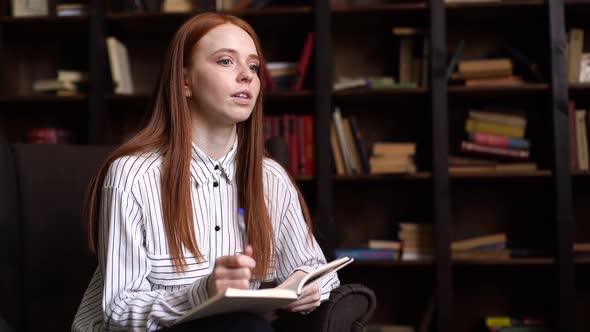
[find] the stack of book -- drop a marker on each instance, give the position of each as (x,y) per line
(578,62)
(67,83)
(417,241)
(393,158)
(492,246)
(487,72)
(511,324)
(282,74)
(499,135)
(582,250)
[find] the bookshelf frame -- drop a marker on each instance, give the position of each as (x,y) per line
(438,93)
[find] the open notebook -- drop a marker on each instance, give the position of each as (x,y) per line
(260,301)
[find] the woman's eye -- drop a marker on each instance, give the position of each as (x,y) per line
(254,68)
(225,62)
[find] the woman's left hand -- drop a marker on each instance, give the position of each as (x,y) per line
(308,301)
(310,297)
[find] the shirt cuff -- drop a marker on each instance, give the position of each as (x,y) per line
(198,292)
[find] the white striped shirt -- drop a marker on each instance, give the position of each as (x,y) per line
(135,286)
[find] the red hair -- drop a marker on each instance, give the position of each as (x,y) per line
(169,128)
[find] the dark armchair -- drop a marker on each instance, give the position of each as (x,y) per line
(45,264)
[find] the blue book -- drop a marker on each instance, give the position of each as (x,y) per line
(362,254)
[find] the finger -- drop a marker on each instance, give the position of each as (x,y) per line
(221,285)
(222,272)
(305,307)
(305,301)
(236,261)
(248,251)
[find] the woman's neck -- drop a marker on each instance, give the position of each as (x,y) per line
(214,141)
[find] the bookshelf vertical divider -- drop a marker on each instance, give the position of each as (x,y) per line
(97,63)
(323,109)
(440,173)
(561,165)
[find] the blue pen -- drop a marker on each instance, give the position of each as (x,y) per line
(242,225)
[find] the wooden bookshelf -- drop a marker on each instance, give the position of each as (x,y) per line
(539,206)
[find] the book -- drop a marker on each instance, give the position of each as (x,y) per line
(260,301)
(494,151)
(482,68)
(364,254)
(494,128)
(574,53)
(120,67)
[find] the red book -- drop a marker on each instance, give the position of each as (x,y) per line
(304,61)
(293,146)
(309,145)
(301,148)
(495,151)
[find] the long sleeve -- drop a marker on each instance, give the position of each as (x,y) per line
(129,302)
(297,250)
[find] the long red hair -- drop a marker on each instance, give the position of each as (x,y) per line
(168,130)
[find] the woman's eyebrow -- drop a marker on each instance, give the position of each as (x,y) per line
(230,50)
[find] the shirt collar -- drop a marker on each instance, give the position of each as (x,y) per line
(203,167)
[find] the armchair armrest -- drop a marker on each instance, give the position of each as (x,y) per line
(349,308)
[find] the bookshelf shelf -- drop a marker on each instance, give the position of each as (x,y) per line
(414,263)
(381,177)
(394,7)
(581,173)
(516,90)
(373,93)
(505,262)
(41,99)
(272,11)
(49,19)
(501,175)
(493,4)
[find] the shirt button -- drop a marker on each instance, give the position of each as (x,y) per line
(217,228)
(216,167)
(215,184)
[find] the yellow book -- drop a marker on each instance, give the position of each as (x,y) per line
(498,321)
(476,126)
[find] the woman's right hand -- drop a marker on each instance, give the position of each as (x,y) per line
(231,271)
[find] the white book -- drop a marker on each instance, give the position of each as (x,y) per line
(29,8)
(346,153)
(260,301)
(119,63)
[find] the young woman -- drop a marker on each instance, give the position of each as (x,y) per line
(163,209)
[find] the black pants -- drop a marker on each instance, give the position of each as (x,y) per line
(236,321)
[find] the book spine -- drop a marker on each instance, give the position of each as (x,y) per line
(309,145)
(582,140)
(573,136)
(494,151)
(304,61)
(476,126)
(359,143)
(499,141)
(501,118)
(301,146)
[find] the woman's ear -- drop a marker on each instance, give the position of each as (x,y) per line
(186,87)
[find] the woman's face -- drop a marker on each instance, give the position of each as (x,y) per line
(222,84)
